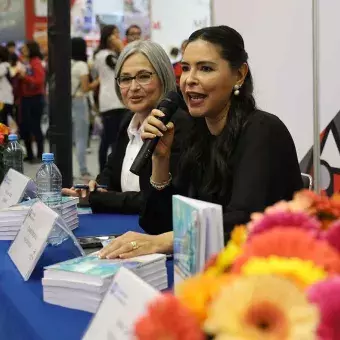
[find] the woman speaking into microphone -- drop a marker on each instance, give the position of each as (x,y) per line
(235,155)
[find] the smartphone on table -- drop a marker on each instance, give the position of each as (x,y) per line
(91,244)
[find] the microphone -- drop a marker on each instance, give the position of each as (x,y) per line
(168,106)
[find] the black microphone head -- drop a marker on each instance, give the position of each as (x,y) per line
(171,101)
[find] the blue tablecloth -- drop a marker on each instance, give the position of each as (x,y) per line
(23,313)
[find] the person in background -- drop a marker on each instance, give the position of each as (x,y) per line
(177,65)
(175,55)
(80,85)
(133,33)
(144,77)
(11,47)
(6,90)
(32,89)
(110,107)
(235,155)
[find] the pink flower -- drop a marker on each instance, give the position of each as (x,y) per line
(279,219)
(332,235)
(326,295)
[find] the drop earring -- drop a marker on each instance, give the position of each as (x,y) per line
(237,89)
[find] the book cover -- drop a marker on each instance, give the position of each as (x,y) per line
(186,227)
(65,202)
(94,266)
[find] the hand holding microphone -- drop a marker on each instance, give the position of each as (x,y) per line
(155,128)
(158,132)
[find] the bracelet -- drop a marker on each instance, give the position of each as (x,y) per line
(161,186)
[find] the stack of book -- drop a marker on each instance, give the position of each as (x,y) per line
(13,217)
(81,283)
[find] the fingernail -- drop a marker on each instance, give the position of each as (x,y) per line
(160,134)
(162,114)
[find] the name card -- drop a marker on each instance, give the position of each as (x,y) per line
(13,188)
(124,303)
(31,240)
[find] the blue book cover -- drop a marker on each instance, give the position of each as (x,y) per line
(94,266)
(186,227)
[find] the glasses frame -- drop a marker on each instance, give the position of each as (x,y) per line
(135,78)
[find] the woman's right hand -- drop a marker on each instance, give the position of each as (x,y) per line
(153,127)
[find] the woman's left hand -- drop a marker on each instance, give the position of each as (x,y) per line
(134,244)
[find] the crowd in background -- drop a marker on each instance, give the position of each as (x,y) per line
(95,104)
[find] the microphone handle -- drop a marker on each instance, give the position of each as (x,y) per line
(144,155)
(149,146)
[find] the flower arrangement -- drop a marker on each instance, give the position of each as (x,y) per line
(278,278)
(4,132)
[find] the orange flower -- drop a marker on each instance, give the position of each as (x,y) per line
(196,293)
(326,209)
(168,319)
(211,262)
(290,242)
(4,130)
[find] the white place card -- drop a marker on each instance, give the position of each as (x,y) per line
(126,300)
(13,188)
(31,240)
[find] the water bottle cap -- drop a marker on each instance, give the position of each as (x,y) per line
(12,137)
(49,157)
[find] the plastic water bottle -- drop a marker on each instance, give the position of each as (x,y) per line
(49,185)
(13,155)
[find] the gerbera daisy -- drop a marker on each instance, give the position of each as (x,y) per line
(326,296)
(290,242)
(332,235)
(197,292)
(232,250)
(303,273)
(284,219)
(168,319)
(262,308)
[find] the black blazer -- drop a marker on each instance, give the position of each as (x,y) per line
(116,201)
(264,170)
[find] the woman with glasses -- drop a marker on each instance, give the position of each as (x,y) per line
(144,76)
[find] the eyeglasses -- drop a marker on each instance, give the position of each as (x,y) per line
(141,78)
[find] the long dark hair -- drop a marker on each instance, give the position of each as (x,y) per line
(33,50)
(105,34)
(212,177)
(78,46)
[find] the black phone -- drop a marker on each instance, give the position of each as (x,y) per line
(87,242)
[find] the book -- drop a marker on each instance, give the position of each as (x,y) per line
(12,218)
(198,234)
(81,283)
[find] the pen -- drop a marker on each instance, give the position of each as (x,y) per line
(86,187)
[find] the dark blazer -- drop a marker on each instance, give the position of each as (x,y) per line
(116,201)
(264,170)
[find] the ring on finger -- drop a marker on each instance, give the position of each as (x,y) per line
(134,245)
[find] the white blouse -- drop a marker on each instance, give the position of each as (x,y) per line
(128,180)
